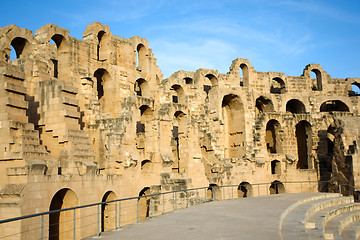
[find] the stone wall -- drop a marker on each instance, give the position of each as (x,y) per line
(92,120)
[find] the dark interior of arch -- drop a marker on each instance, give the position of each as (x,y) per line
(334,106)
(295,106)
(277,86)
(18,44)
(264,105)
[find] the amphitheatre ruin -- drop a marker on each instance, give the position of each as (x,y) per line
(93,120)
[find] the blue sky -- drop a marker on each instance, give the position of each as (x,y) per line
(275,35)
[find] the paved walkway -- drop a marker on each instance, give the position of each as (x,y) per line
(247,218)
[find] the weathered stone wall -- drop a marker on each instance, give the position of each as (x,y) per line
(94,120)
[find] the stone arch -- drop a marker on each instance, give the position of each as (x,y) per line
(146,166)
(277,187)
(179,142)
(142,88)
(277,86)
(234,124)
(275,167)
(59,41)
(108,211)
(272,137)
(355,89)
(334,106)
(316,80)
(188,80)
(213,192)
(207,86)
(144,204)
(61,223)
(141,56)
(178,94)
(101,76)
(295,106)
(244,74)
(100,46)
(21,46)
(303,135)
(263,105)
(244,190)
(214,81)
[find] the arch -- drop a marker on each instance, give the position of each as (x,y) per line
(142,88)
(60,223)
(100,36)
(59,41)
(316,80)
(295,106)
(244,75)
(144,204)
(355,89)
(141,56)
(334,106)
(277,187)
(179,138)
(188,80)
(263,104)
(272,137)
(234,126)
(277,86)
(146,115)
(244,190)
(108,212)
(214,81)
(178,94)
(101,76)
(20,46)
(207,85)
(146,166)
(304,144)
(213,192)
(275,167)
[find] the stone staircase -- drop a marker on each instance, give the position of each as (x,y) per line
(326,216)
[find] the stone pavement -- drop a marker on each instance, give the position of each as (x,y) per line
(245,218)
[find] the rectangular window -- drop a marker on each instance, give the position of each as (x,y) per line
(140,128)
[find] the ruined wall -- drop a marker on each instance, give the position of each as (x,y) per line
(94,120)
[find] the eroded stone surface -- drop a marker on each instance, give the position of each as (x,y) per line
(84,121)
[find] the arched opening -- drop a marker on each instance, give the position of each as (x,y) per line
(19,45)
(263,105)
(61,223)
(234,126)
(100,75)
(144,204)
(178,94)
(213,80)
(272,137)
(142,88)
(244,190)
(334,106)
(277,86)
(244,75)
(295,106)
(275,167)
(141,57)
(99,51)
(143,127)
(304,144)
(213,193)
(277,187)
(188,80)
(316,80)
(108,212)
(355,89)
(207,86)
(146,166)
(58,40)
(178,139)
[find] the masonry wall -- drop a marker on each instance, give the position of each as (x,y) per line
(95,119)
